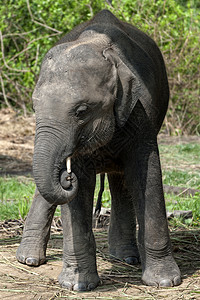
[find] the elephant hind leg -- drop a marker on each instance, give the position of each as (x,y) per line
(32,249)
(122,230)
(145,179)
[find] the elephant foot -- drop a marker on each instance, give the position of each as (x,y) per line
(31,252)
(72,279)
(126,253)
(162,272)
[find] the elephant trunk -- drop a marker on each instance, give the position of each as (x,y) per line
(55,181)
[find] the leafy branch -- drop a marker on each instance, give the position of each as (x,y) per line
(28,31)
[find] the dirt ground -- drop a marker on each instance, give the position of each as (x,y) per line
(119,281)
(16,142)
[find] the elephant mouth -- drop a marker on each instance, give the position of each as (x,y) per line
(67,178)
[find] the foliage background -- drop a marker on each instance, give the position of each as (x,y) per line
(28,28)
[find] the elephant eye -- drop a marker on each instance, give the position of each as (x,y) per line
(80,111)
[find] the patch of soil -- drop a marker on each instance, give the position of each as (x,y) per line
(176,140)
(16,142)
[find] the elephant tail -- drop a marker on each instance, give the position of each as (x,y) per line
(99,199)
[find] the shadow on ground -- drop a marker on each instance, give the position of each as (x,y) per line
(11,165)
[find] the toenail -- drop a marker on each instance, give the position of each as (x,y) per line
(67,285)
(177,280)
(91,286)
(80,287)
(21,259)
(165,283)
(131,260)
(32,261)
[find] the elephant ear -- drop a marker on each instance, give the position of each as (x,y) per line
(128,87)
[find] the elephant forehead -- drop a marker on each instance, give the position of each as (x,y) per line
(74,76)
(83,69)
(81,54)
(72,91)
(81,75)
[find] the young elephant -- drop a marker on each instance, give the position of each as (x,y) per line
(100,100)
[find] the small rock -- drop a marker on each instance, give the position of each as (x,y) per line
(185,214)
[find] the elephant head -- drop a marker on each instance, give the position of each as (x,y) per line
(84,90)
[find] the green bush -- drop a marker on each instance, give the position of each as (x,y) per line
(29,28)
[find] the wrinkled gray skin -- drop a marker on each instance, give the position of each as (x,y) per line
(101,98)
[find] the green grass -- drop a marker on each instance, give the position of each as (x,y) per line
(178,166)
(15,197)
(106,199)
(182,157)
(181,178)
(174,202)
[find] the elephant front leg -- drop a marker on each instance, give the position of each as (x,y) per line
(159,266)
(79,250)
(36,233)
(122,229)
